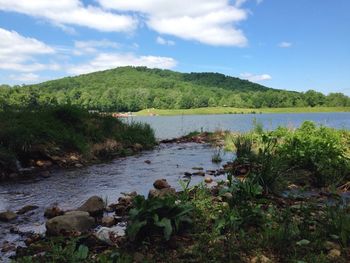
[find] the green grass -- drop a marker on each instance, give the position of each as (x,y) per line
(230,110)
(30,134)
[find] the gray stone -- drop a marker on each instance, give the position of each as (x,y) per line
(94,206)
(74,221)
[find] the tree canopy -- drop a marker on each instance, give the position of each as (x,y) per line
(136,88)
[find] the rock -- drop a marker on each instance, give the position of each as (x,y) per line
(75,221)
(227,196)
(43,163)
(161,184)
(120,210)
(26,209)
(331,245)
(125,200)
(148,162)
(45,174)
(108,221)
(208,179)
(32,239)
(161,193)
(74,158)
(78,165)
(187,174)
(199,173)
(260,259)
(7,247)
(334,253)
(94,206)
(110,235)
(198,168)
(137,147)
(7,216)
(52,212)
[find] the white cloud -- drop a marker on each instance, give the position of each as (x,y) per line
(26,77)
(255,78)
(285,44)
(18,52)
(259,1)
(163,41)
(92,46)
(112,60)
(71,12)
(212,22)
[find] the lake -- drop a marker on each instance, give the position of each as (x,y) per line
(167,127)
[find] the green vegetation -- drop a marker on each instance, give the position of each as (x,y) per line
(150,216)
(320,152)
(231,110)
(253,216)
(136,88)
(51,133)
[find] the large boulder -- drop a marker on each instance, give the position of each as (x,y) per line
(94,206)
(74,221)
(7,216)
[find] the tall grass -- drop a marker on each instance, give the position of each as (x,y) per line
(30,133)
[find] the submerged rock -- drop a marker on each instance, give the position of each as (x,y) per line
(94,206)
(199,173)
(161,184)
(26,209)
(7,216)
(75,221)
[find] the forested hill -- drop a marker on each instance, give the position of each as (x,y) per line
(136,88)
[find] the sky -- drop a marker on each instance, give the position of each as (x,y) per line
(285,44)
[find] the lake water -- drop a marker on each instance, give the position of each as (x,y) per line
(167,127)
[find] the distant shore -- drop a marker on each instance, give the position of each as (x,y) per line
(230,110)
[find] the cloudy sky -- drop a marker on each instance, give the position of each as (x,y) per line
(296,45)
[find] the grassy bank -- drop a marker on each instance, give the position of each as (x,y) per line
(65,135)
(230,110)
(282,201)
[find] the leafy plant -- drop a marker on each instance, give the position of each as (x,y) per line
(150,216)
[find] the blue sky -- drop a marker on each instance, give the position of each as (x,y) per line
(294,45)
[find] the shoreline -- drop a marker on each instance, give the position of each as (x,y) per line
(231,110)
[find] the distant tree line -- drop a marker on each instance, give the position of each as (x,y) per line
(133,89)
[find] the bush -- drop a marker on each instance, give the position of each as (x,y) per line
(318,149)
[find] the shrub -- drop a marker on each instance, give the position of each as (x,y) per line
(319,149)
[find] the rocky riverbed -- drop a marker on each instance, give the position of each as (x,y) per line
(68,189)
